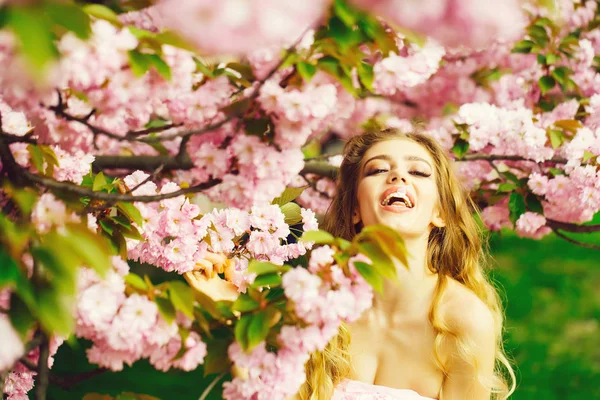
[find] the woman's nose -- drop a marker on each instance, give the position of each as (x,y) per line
(395,177)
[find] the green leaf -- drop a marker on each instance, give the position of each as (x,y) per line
(160,65)
(139,62)
(62,274)
(37,157)
(507,187)
(71,17)
(291,211)
(289,194)
(35,36)
(373,28)
(54,311)
(241,330)
(258,328)
(587,155)
(245,303)
(366,75)
(271,280)
(91,248)
(136,281)
(557,138)
(204,69)
(182,297)
(556,171)
(319,237)
(524,46)
(107,226)
(21,317)
(552,58)
(541,59)
(214,361)
(11,276)
(546,83)
(370,275)
(131,212)
(387,238)
(306,70)
(262,267)
(173,39)
(348,15)
(99,182)
(9,270)
(516,206)
(380,260)
(534,204)
(460,148)
(102,12)
(560,74)
(166,309)
(25,199)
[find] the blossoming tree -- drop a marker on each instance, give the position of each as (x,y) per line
(199,137)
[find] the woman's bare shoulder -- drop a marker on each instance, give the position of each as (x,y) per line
(465,312)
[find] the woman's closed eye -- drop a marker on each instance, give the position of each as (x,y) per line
(420,173)
(377,171)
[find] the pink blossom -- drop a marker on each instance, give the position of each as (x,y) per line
(532,225)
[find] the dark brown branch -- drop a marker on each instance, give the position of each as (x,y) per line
(144,163)
(42,378)
(570,227)
(85,192)
(578,243)
(10,138)
(497,157)
(66,382)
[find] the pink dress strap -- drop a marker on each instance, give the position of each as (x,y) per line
(355,390)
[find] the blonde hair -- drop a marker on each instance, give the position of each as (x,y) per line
(454,251)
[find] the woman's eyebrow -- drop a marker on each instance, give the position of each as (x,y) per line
(416,158)
(379,157)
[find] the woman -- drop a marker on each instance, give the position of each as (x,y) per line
(437,333)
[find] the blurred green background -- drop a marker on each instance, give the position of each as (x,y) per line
(552,299)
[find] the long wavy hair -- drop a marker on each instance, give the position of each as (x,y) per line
(455,251)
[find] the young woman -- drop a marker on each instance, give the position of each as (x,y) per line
(437,334)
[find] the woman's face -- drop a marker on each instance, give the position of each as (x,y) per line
(397,187)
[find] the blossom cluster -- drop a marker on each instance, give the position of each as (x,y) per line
(124,329)
(323,296)
(177,237)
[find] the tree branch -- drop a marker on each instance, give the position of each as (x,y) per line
(570,227)
(41,386)
(82,191)
(10,138)
(498,157)
(578,243)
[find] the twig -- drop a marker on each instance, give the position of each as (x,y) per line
(212,385)
(578,243)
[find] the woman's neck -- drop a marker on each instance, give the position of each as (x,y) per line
(414,288)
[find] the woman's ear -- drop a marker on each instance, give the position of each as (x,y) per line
(437,219)
(355,216)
